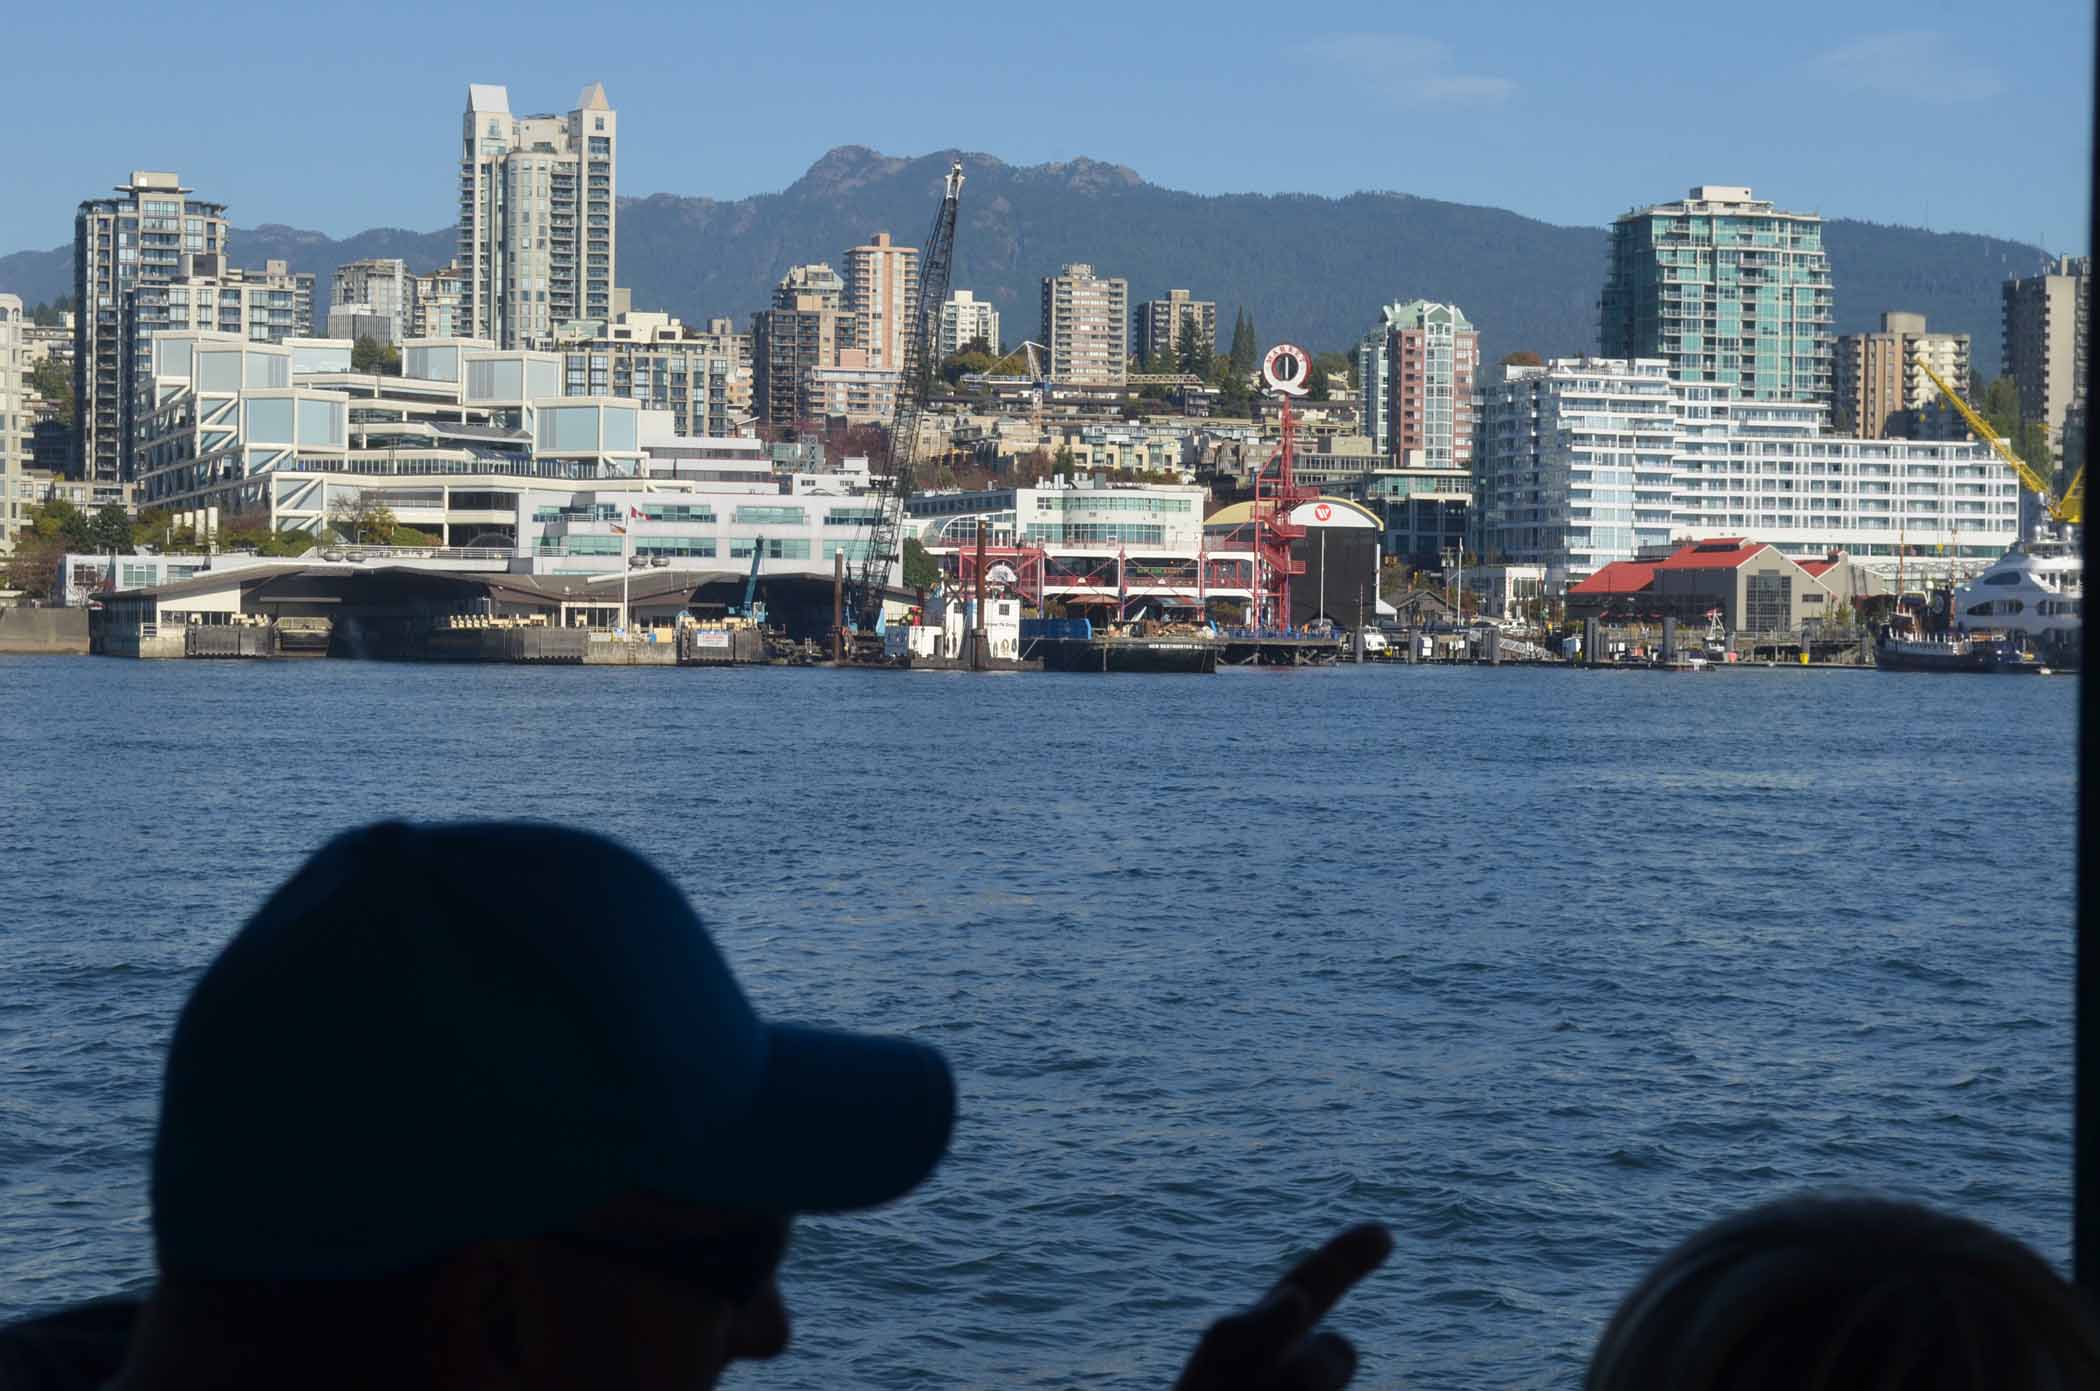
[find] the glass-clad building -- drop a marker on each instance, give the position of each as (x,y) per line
(1727,289)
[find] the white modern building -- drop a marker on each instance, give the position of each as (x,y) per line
(1090,542)
(964,320)
(1586,461)
(289,429)
(537,216)
(479,448)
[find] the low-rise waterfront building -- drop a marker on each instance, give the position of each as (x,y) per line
(1087,542)
(1751,587)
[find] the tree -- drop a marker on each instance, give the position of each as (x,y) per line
(59,520)
(368,354)
(50,380)
(974,358)
(109,532)
(1196,350)
(1395,579)
(921,571)
(1522,359)
(1246,351)
(52,315)
(33,568)
(362,519)
(1316,387)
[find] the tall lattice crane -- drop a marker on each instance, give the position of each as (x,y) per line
(885,527)
(2068,508)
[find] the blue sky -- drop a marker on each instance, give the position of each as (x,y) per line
(337,120)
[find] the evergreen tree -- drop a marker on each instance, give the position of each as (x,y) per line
(109,531)
(1245,353)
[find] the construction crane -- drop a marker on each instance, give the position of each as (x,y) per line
(751,609)
(2068,508)
(885,525)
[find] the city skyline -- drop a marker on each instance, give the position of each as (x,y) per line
(1508,113)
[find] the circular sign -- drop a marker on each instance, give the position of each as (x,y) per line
(1285,369)
(1323,512)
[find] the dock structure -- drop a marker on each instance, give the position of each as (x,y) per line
(1246,647)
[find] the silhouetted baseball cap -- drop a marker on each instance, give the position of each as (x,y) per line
(432,1035)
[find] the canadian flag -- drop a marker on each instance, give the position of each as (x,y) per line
(635,514)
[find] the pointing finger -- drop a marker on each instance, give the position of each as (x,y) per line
(1328,1273)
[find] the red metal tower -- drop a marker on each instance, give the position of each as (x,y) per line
(1276,494)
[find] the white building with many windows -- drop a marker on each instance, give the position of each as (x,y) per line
(1586,461)
(964,320)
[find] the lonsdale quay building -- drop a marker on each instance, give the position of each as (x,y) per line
(479,449)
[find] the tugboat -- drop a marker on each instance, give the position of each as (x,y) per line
(1900,645)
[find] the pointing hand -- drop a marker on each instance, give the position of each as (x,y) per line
(1273,1346)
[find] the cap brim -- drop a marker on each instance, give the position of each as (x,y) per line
(841,1121)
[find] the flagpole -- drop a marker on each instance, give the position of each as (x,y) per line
(626,569)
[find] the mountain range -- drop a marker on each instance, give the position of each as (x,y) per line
(1310,269)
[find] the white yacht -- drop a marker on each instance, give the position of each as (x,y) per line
(2035,590)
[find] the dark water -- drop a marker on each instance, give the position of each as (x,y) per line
(1542,968)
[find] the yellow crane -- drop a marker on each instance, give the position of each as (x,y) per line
(2068,508)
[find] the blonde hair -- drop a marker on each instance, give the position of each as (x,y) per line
(1846,1293)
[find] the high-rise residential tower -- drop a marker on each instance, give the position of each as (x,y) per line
(1086,327)
(1726,288)
(882,292)
(1417,366)
(2045,341)
(138,238)
(1882,389)
(1161,323)
(966,319)
(537,216)
(14,422)
(817,278)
